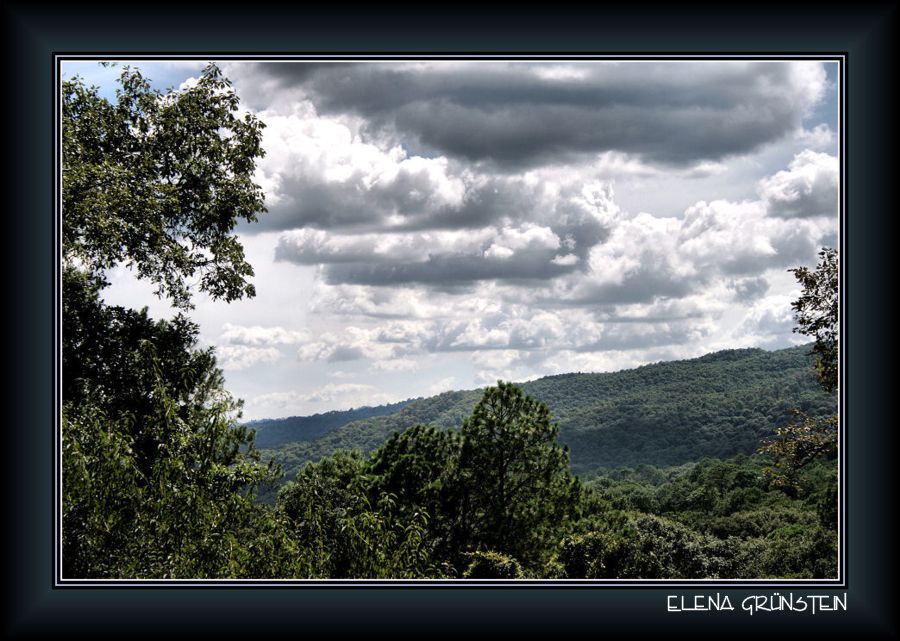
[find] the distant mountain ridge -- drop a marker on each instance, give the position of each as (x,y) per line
(718,405)
(274,432)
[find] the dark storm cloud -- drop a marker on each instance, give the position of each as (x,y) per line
(517,114)
(445,270)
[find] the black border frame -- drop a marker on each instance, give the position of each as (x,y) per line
(31,34)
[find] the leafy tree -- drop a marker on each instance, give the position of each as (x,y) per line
(800,551)
(158,181)
(418,468)
(158,477)
(816,312)
(515,492)
(317,502)
(167,492)
(491,565)
(796,445)
(346,533)
(651,547)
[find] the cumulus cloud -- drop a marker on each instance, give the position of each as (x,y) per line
(809,187)
(236,357)
(648,286)
(819,137)
(570,221)
(647,258)
(444,385)
(257,335)
(333,180)
(750,289)
(769,323)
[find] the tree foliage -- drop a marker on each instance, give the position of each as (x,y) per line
(159,478)
(816,312)
(158,181)
(711,519)
(500,485)
(492,565)
(515,489)
(796,445)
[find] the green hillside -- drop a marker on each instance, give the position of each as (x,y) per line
(719,405)
(275,432)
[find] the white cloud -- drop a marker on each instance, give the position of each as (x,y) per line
(819,137)
(339,391)
(257,335)
(770,321)
(397,365)
(444,385)
(809,187)
(236,357)
(330,395)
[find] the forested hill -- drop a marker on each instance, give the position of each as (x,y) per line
(718,405)
(275,432)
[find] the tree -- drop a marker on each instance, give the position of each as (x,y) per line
(798,444)
(515,492)
(801,442)
(158,181)
(346,533)
(158,477)
(491,565)
(417,467)
(816,313)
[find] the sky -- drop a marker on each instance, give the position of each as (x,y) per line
(437,225)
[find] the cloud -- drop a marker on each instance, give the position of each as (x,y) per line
(237,357)
(257,335)
(338,391)
(647,258)
(446,223)
(808,188)
(770,322)
(325,394)
(353,343)
(444,385)
(397,365)
(520,114)
(648,284)
(750,289)
(450,257)
(819,137)
(512,338)
(319,174)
